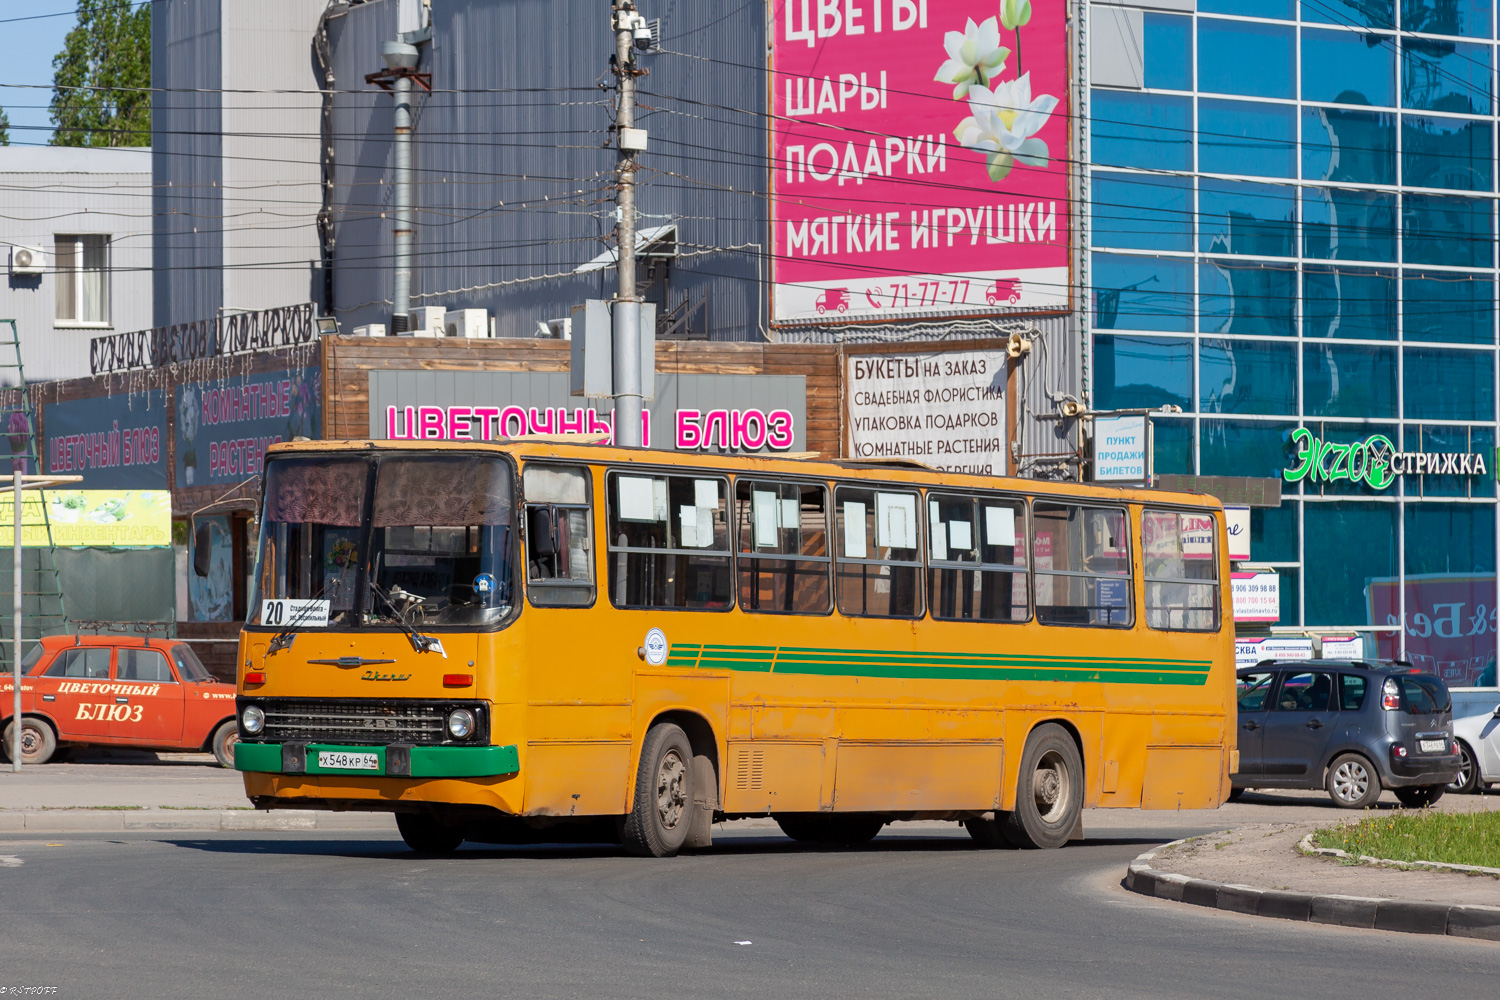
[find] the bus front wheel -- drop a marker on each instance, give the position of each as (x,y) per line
(426,834)
(1049,792)
(661,814)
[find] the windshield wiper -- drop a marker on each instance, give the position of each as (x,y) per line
(288,635)
(421,643)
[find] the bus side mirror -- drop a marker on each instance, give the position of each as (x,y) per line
(541,529)
(202,549)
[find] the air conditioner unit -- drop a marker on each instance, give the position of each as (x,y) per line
(370,330)
(555,329)
(27,260)
(471,323)
(425,321)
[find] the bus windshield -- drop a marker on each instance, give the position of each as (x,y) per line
(423,540)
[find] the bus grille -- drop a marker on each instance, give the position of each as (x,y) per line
(421,723)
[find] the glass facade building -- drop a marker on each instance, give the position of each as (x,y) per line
(1291,224)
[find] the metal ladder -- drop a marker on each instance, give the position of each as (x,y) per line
(43,610)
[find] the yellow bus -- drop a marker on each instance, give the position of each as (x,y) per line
(544,641)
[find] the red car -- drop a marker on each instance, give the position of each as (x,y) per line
(117,691)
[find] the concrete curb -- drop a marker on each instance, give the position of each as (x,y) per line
(1306,846)
(1410,916)
(124,820)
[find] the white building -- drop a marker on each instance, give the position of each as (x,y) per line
(75,246)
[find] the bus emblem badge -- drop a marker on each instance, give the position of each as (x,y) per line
(656,647)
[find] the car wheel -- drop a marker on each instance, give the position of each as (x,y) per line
(845,829)
(662,812)
(225,737)
(1049,791)
(1419,797)
(426,834)
(1352,782)
(1235,793)
(38,741)
(1468,775)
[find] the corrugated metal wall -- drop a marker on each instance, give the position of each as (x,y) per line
(514,172)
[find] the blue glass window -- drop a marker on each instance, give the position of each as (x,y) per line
(1291,605)
(1460,438)
(1142,293)
(1249,8)
(1350,302)
(1168,51)
(1446,153)
(1247,376)
(1449,385)
(1361,13)
(1451,231)
(1151,131)
(1131,372)
(1449,307)
(1273,533)
(1348,548)
(1243,217)
(1354,146)
(1447,17)
(1339,66)
(1245,447)
(1445,76)
(1143,212)
(1247,298)
(1240,137)
(1348,380)
(1171,446)
(1241,57)
(1343,224)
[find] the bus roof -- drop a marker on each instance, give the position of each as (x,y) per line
(902,471)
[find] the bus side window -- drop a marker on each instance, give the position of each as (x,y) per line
(783,547)
(559,540)
(976,551)
(879,553)
(669,541)
(1180,556)
(1081,557)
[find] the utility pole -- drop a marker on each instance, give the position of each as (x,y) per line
(630,28)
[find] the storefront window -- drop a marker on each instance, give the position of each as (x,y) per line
(1450,590)
(1449,385)
(1246,447)
(1240,57)
(1150,131)
(1343,224)
(1247,376)
(1142,372)
(1362,13)
(1451,307)
(1348,302)
(1348,380)
(1142,293)
(1444,76)
(1241,137)
(1349,547)
(1143,213)
(1273,534)
(1248,298)
(1341,67)
(1357,147)
(1291,613)
(1250,8)
(1168,52)
(1172,446)
(1447,17)
(1243,217)
(1452,231)
(1446,153)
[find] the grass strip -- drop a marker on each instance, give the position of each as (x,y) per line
(1454,838)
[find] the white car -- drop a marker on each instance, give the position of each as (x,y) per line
(1476,723)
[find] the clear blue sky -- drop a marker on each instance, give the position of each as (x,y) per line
(30,46)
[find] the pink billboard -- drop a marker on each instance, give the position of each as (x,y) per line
(920,153)
(1451,620)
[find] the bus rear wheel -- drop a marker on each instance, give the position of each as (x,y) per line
(830,828)
(426,834)
(1049,792)
(661,814)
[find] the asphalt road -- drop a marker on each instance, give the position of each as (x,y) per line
(918,913)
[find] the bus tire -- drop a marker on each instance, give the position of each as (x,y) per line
(1049,791)
(661,814)
(842,829)
(38,741)
(426,834)
(987,832)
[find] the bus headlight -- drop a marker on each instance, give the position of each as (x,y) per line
(460,723)
(253,718)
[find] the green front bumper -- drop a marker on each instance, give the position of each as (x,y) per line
(401,762)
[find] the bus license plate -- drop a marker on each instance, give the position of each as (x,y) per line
(1433,746)
(349,761)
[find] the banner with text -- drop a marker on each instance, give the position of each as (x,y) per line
(225,425)
(919,158)
(114,442)
(88,517)
(946,409)
(1451,621)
